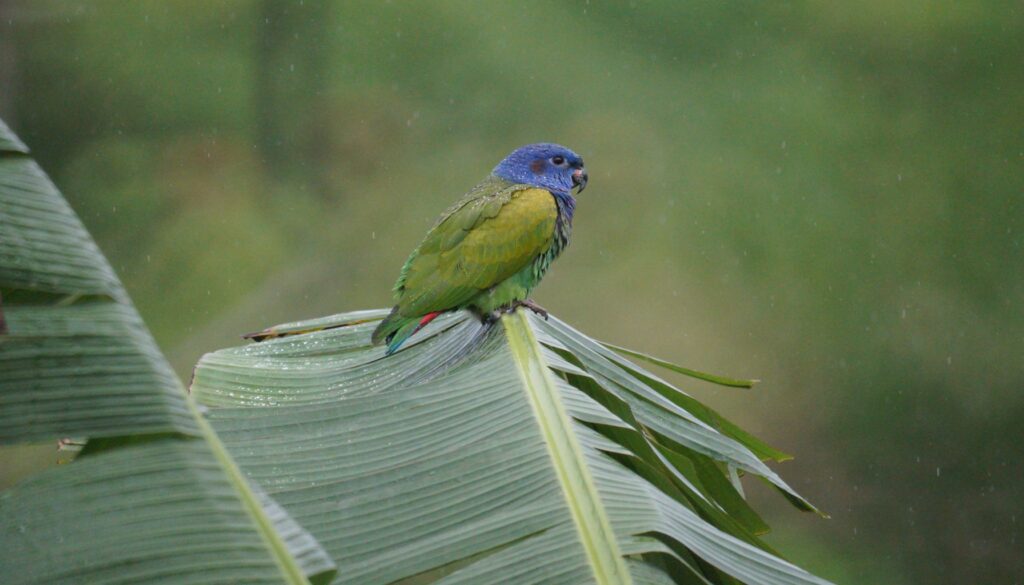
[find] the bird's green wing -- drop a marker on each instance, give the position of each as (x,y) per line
(484,239)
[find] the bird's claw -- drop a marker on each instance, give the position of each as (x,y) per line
(539,310)
(495,315)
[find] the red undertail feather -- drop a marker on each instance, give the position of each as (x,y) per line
(427,319)
(394,330)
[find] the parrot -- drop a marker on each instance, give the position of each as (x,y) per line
(492,247)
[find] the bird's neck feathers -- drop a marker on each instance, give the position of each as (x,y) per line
(566,205)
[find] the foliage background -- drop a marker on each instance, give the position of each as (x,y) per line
(826,196)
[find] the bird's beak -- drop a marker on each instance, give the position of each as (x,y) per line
(579,179)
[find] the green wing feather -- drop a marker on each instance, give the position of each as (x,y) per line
(495,231)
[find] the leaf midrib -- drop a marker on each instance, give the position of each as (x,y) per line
(567,459)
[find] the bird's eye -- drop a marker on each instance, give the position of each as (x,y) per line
(558,160)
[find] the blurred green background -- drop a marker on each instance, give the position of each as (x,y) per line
(826,196)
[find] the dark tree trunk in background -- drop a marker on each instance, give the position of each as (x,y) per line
(291,77)
(8,64)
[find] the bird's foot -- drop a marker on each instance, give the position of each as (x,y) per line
(529,304)
(495,315)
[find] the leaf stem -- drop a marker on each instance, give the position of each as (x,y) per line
(290,570)
(567,457)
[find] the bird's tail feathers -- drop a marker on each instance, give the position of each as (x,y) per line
(395,329)
(385,328)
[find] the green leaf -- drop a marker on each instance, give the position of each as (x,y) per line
(663,409)
(704,413)
(85,370)
(155,496)
(482,454)
(713,378)
(46,249)
(9,143)
(154,512)
(567,458)
(76,358)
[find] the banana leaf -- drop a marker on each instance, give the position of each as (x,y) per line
(154,497)
(519,452)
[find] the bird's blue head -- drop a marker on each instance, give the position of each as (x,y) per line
(548,166)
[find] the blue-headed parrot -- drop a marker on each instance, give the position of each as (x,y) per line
(488,251)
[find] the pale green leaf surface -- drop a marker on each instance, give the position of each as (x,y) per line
(165,507)
(654,413)
(319,324)
(654,511)
(432,461)
(154,497)
(705,413)
(76,358)
(85,370)
(43,245)
(9,142)
(567,457)
(309,556)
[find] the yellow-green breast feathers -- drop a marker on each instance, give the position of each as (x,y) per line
(480,243)
(495,232)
